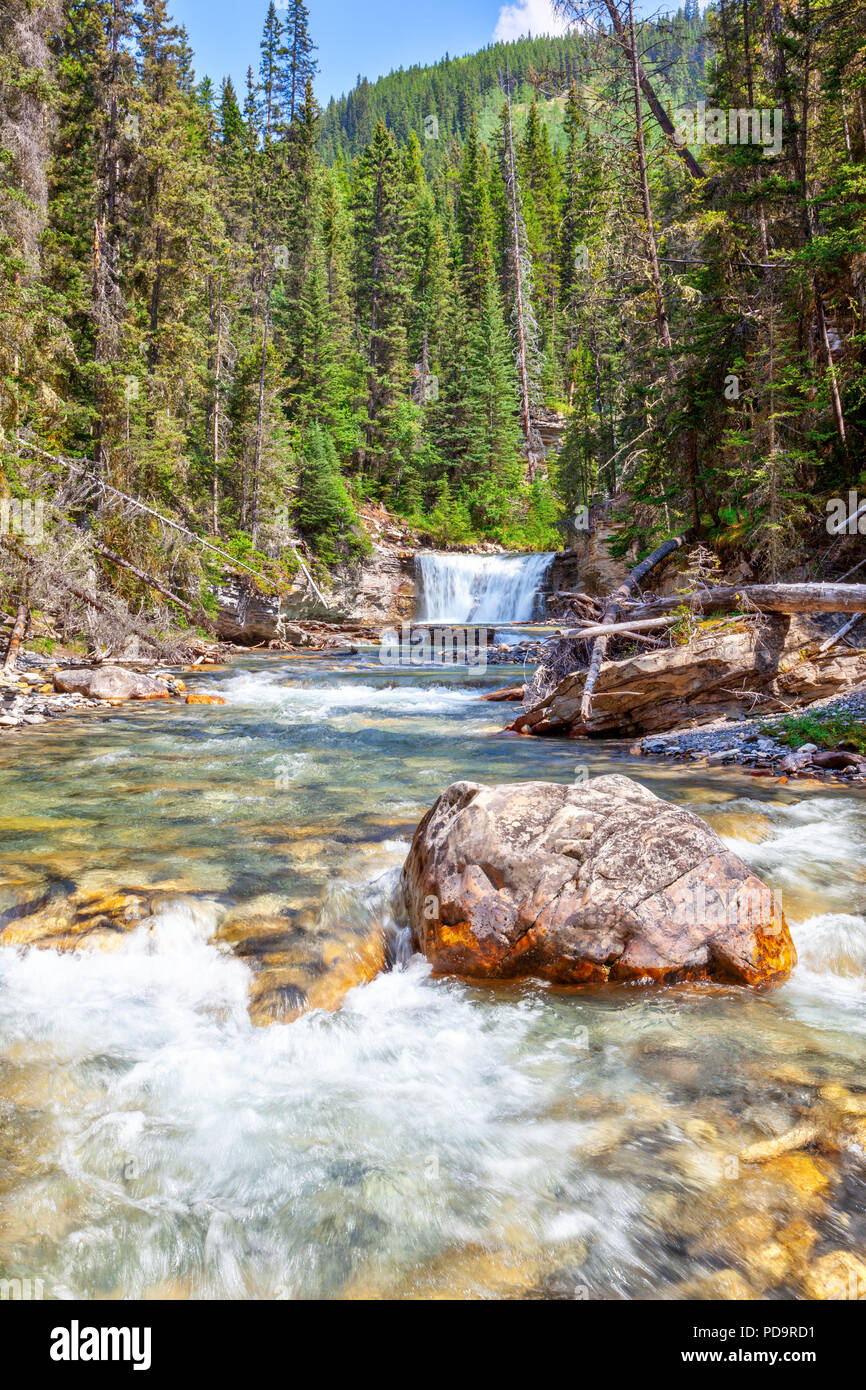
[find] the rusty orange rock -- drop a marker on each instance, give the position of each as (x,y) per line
(197,698)
(589,884)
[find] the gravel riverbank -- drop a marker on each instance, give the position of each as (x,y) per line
(751,742)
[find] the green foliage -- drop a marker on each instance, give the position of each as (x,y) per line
(323,509)
(229,300)
(825,728)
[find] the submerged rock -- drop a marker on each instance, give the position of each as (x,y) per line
(598,882)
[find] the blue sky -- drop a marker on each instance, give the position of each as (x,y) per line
(359,36)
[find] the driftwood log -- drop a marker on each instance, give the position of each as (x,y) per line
(769,598)
(95,603)
(843,632)
(197,614)
(18,630)
(626,629)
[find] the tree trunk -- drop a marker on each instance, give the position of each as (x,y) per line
(648,90)
(260,417)
(197,615)
(627,628)
(769,598)
(525,413)
(216,420)
(652,246)
(17,637)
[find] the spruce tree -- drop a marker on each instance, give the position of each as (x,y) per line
(323,510)
(298,65)
(382,278)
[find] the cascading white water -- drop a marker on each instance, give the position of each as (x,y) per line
(480,588)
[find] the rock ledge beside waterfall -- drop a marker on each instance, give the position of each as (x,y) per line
(589,884)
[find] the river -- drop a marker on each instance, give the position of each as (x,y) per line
(429,1138)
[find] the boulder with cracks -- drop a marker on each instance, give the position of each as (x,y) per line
(586,884)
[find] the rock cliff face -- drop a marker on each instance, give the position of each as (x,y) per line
(381,590)
(587,884)
(594,572)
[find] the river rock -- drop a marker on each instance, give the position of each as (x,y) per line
(597,882)
(110,683)
(508,692)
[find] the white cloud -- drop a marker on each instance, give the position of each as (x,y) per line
(528,17)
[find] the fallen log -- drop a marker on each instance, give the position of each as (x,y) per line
(769,598)
(95,603)
(508,692)
(843,631)
(627,629)
(612,612)
(15,640)
(716,675)
(840,758)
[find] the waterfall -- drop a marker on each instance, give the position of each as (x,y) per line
(480,588)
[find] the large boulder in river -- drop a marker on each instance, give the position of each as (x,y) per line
(110,683)
(601,881)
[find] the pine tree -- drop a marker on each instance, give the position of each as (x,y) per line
(271,50)
(173,222)
(323,510)
(380,213)
(491,471)
(299,65)
(519,283)
(231,122)
(28,344)
(475,219)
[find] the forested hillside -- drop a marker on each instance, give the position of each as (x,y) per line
(455,89)
(251,316)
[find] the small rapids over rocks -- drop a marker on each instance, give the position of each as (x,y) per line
(426,1138)
(480,588)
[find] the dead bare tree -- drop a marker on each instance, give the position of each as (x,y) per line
(622,21)
(19,628)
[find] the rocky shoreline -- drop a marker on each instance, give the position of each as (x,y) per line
(749,743)
(43,688)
